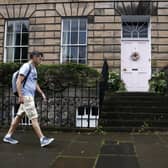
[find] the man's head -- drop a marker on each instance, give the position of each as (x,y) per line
(36,57)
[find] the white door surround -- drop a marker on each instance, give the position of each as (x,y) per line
(136,53)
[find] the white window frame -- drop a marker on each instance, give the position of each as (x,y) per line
(75,45)
(12,46)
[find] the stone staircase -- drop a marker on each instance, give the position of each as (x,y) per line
(134,111)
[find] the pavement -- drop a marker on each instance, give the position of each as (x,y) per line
(86,150)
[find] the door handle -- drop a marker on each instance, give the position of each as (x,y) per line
(124,69)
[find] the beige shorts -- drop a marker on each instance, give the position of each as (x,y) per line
(28,107)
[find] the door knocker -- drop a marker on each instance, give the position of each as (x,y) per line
(135,56)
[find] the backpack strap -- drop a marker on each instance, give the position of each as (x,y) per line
(27,75)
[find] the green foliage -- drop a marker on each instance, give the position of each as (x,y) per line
(6,71)
(115,82)
(54,75)
(99,130)
(158,83)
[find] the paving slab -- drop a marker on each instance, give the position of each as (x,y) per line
(117,162)
(118,149)
(121,137)
(146,139)
(82,149)
(62,162)
(152,155)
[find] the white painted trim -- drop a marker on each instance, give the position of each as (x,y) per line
(5,34)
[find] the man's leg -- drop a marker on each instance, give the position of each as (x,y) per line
(44,141)
(37,128)
(13,125)
(11,130)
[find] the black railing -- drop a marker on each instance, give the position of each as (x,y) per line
(74,106)
(104,82)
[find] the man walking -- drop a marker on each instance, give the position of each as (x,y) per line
(28,75)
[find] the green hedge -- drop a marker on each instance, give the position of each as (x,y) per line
(159,83)
(56,75)
(115,83)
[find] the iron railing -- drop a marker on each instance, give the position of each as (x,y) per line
(75,106)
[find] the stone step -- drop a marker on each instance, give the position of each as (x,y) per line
(130,115)
(137,94)
(135,109)
(133,123)
(134,129)
(136,103)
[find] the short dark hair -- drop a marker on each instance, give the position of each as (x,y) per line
(36,53)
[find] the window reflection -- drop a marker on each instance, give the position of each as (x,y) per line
(16,46)
(74,40)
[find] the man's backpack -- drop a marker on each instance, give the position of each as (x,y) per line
(14,80)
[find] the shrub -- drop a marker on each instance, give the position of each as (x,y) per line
(115,83)
(54,75)
(158,83)
(60,76)
(6,71)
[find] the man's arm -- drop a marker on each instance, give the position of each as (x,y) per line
(19,82)
(40,91)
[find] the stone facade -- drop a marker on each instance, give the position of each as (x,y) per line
(104,28)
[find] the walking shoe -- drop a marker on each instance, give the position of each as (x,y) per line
(10,140)
(46,141)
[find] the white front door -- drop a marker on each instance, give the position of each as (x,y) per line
(135,57)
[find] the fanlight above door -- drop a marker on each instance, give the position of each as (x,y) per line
(135,30)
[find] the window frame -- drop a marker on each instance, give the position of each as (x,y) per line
(5,60)
(132,31)
(74,45)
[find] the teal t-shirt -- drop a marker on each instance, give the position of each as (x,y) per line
(31,82)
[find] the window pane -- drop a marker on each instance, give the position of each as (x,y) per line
(83,24)
(74,37)
(82,37)
(10,27)
(66,52)
(9,39)
(74,53)
(17,54)
(24,54)
(126,34)
(18,26)
(9,54)
(82,52)
(24,39)
(135,34)
(66,37)
(74,25)
(25,26)
(17,39)
(143,34)
(82,61)
(66,25)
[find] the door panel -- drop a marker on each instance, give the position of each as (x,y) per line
(136,73)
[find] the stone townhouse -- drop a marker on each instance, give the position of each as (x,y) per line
(131,35)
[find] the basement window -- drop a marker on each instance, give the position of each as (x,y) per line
(87,116)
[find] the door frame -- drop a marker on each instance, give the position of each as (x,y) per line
(138,39)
